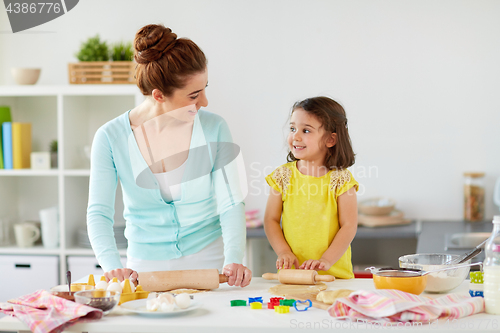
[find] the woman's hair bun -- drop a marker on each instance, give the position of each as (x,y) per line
(152,42)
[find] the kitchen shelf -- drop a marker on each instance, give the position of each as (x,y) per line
(35,250)
(71,114)
(28,172)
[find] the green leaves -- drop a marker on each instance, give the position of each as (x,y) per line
(122,52)
(53,146)
(93,50)
(96,50)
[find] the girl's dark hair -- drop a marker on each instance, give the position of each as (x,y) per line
(164,61)
(333,119)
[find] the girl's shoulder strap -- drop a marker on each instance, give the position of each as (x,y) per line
(338,178)
(282,176)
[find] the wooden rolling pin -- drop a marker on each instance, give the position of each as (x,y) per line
(298,276)
(189,279)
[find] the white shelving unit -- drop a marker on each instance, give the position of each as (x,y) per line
(71,114)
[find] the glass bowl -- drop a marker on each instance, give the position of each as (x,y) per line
(438,282)
(104,300)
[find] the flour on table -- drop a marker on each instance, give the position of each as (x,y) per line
(292,289)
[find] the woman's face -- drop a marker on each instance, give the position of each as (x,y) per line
(188,100)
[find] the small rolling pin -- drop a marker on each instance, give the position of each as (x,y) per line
(298,276)
(189,279)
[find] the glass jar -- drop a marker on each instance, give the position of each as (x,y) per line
(474,196)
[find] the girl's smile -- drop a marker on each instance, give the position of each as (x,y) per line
(306,138)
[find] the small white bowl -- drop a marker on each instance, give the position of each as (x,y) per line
(25,75)
(377,206)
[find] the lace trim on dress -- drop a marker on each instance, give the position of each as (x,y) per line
(338,178)
(282,178)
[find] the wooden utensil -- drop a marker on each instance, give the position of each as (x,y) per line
(190,279)
(298,276)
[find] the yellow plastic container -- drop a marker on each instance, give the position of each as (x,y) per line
(128,295)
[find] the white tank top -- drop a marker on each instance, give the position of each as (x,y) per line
(170,192)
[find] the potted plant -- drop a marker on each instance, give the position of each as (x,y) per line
(95,67)
(53,153)
(93,50)
(122,52)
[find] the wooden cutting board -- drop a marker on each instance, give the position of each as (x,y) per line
(312,297)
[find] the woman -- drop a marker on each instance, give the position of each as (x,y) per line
(178,170)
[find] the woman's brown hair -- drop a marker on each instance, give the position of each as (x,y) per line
(333,119)
(164,61)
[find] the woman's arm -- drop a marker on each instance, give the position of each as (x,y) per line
(100,211)
(230,195)
(348,220)
(274,234)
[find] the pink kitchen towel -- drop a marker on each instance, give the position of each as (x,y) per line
(44,312)
(389,305)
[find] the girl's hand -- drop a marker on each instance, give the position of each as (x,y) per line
(122,274)
(319,265)
(286,260)
(238,274)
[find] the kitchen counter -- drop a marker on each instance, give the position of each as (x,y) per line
(410,230)
(216,315)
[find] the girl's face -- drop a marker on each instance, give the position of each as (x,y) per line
(306,139)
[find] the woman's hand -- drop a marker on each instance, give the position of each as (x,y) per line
(122,274)
(286,260)
(238,274)
(319,265)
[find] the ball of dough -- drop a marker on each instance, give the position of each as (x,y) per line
(152,304)
(167,307)
(183,301)
(167,298)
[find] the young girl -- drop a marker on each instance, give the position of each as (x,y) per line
(314,194)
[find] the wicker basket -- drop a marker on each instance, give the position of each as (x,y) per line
(102,72)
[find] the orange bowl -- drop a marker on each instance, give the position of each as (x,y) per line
(410,284)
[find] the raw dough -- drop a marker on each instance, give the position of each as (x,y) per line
(329,296)
(187,291)
(295,289)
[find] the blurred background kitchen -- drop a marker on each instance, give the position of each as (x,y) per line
(419,81)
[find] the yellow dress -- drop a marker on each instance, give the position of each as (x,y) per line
(310,218)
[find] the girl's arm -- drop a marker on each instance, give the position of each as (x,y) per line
(274,234)
(348,220)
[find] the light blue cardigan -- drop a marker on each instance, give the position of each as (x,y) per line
(210,206)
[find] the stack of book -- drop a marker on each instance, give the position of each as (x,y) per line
(15,142)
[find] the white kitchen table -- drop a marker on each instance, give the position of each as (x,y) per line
(216,315)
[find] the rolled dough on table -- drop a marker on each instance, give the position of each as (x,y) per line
(188,291)
(329,296)
(287,289)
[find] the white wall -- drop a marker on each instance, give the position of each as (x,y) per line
(419,80)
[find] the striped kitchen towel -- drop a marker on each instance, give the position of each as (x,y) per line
(389,305)
(43,312)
